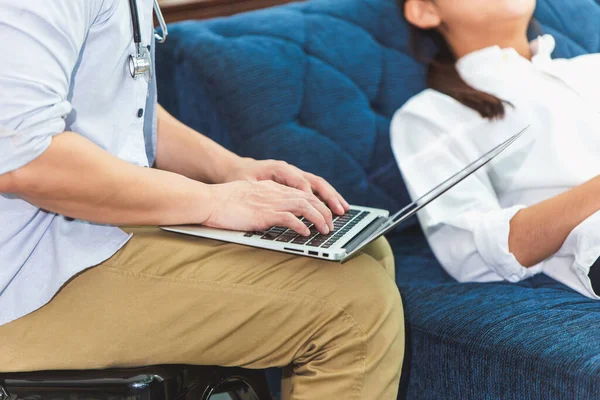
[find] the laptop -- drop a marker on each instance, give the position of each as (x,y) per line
(352,231)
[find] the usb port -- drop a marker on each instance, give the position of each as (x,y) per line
(313,253)
(326,255)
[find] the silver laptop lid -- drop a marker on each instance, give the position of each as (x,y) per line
(436,192)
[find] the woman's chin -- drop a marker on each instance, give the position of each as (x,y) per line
(518,8)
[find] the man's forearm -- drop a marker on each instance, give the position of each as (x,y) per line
(76,178)
(539,231)
(184,151)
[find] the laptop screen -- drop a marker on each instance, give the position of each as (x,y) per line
(437,191)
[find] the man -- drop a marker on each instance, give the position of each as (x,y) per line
(78,134)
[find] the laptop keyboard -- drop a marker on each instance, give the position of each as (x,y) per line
(341,225)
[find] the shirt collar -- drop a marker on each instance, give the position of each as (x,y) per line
(541,48)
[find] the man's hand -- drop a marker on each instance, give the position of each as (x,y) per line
(285,174)
(257,206)
(246,194)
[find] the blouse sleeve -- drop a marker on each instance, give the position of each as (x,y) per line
(466,228)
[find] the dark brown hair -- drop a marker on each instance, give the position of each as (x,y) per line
(443,76)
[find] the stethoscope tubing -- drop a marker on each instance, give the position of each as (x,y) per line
(135,22)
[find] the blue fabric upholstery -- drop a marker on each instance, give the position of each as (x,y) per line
(315,84)
(533,340)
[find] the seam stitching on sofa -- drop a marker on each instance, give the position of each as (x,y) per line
(304,50)
(377,115)
(333,142)
(362,28)
(313,56)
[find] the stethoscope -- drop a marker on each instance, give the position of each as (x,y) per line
(140,63)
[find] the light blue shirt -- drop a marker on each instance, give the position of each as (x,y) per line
(64,68)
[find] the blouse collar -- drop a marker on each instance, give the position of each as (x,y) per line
(541,48)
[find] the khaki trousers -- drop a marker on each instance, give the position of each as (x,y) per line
(168,299)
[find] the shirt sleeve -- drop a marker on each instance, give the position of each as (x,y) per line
(41,42)
(466,228)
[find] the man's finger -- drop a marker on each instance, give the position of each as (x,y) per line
(323,209)
(289,220)
(293,177)
(308,210)
(327,193)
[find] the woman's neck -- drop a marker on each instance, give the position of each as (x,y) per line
(463,43)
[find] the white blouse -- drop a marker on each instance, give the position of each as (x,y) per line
(434,136)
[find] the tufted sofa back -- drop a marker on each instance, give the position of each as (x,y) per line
(316,83)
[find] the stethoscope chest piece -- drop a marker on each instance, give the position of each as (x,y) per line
(140,64)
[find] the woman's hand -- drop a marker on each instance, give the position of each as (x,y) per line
(257,206)
(285,174)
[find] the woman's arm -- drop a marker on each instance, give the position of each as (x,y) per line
(539,231)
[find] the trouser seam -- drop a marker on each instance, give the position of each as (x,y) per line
(261,291)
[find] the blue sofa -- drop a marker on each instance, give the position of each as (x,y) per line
(316,84)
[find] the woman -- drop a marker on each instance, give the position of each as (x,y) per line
(535,208)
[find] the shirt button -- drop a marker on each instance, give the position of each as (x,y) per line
(140,113)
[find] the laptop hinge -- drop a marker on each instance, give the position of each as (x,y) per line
(364,234)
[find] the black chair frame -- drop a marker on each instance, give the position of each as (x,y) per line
(167,382)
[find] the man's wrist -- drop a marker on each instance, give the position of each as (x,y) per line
(232,169)
(199,203)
